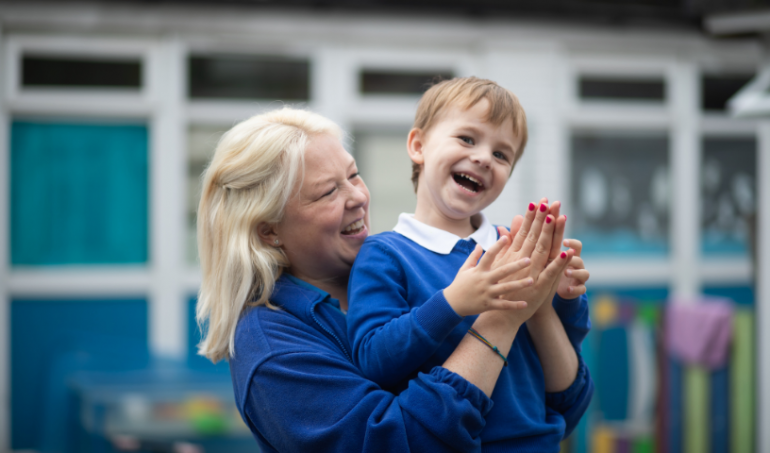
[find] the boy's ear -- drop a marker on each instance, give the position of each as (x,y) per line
(414,144)
(267,233)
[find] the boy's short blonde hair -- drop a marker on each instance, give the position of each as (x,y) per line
(465,92)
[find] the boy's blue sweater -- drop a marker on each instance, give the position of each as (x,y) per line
(400,324)
(298,390)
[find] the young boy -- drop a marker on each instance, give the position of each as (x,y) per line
(413,297)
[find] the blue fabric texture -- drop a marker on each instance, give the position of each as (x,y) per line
(298,390)
(400,325)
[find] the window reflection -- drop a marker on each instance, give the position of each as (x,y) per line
(620,187)
(728,195)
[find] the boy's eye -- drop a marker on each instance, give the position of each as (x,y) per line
(500,155)
(467,140)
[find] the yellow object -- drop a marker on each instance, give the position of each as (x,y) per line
(605,311)
(603,440)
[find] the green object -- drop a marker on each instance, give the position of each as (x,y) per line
(209,423)
(696,410)
(742,389)
(643,444)
(648,314)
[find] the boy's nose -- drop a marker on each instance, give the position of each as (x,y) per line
(482,158)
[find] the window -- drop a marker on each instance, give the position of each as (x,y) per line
(48,71)
(78,193)
(716,90)
(621,186)
(249,77)
(202,141)
(400,82)
(387,170)
(728,195)
(621,89)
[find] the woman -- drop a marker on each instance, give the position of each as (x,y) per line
(282,216)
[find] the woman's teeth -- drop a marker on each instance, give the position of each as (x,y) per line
(355,227)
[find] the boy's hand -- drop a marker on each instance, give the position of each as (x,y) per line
(573,282)
(478,286)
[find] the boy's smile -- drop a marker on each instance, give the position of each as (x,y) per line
(466,161)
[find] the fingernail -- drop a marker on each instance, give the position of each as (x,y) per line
(565,217)
(563,255)
(543,207)
(566,243)
(569,272)
(530,281)
(532,206)
(548,219)
(526,260)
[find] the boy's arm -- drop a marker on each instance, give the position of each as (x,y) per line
(389,338)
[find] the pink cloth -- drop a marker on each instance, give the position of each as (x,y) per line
(700,333)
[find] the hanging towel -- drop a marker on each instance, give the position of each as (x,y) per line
(700,333)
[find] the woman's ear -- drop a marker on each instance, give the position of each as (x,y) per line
(414,145)
(267,233)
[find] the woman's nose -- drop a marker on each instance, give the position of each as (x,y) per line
(359,196)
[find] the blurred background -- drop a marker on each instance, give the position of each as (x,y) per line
(649,119)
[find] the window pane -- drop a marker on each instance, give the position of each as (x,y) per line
(620,185)
(235,77)
(728,195)
(387,170)
(78,193)
(39,71)
(202,141)
(605,88)
(392,82)
(717,90)
(52,339)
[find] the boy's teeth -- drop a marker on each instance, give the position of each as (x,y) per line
(354,226)
(470,178)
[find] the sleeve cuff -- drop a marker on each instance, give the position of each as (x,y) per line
(562,401)
(567,308)
(464,389)
(437,317)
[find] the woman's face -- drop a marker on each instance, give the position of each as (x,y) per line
(327,217)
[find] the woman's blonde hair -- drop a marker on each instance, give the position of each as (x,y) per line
(251,176)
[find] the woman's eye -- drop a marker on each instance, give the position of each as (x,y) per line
(467,140)
(329,192)
(356,174)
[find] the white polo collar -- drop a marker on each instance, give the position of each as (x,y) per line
(440,241)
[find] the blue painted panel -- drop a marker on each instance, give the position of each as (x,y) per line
(612,373)
(78,193)
(50,338)
(631,294)
(742,295)
(720,409)
(195,361)
(675,406)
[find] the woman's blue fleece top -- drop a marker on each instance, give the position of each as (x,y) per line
(298,390)
(400,324)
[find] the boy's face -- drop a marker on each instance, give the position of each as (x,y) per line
(465,160)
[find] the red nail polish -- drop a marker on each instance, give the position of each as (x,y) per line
(565,217)
(548,219)
(543,207)
(532,206)
(563,255)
